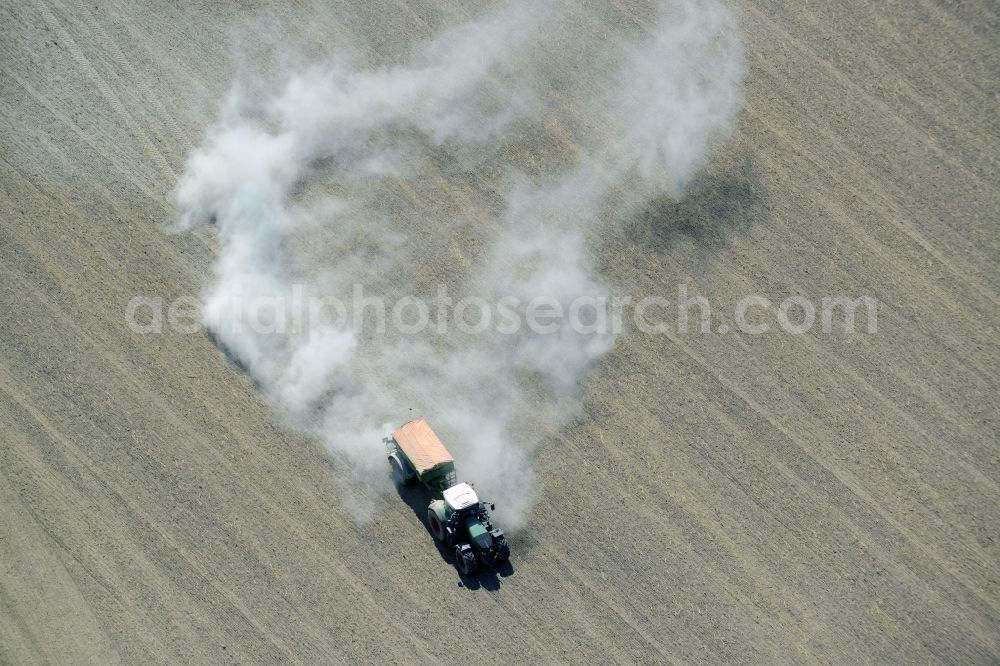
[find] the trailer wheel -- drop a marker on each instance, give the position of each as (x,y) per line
(435,525)
(465,561)
(399,475)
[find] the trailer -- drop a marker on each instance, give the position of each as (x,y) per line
(455,517)
(416,453)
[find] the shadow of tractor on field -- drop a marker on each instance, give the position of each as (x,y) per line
(417,498)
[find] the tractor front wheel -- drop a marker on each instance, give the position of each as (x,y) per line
(503,548)
(465,561)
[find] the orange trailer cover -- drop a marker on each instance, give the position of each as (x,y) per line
(421,446)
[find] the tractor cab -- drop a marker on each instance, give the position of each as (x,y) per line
(463,508)
(460,497)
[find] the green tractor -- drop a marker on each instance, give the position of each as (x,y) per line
(457,519)
(462,522)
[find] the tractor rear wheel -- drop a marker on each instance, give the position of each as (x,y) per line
(435,525)
(465,561)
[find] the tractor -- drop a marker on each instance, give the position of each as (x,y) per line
(456,517)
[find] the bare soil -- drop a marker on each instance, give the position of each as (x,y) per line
(724,497)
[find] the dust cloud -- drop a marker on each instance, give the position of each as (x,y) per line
(531,134)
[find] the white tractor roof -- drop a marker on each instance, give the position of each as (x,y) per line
(460,496)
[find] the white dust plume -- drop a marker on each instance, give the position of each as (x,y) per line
(481,163)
